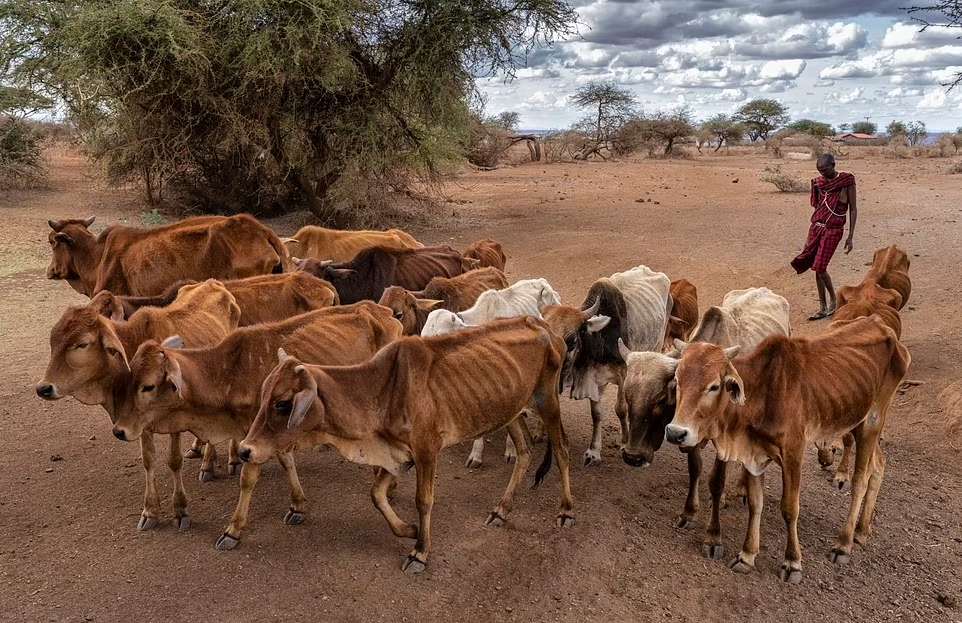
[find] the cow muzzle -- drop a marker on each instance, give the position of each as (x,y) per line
(635,460)
(122,434)
(679,435)
(47,391)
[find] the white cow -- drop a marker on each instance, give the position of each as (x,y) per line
(745,318)
(523,298)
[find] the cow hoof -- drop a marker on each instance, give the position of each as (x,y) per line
(592,457)
(791,572)
(183,522)
(840,481)
(713,551)
(233,469)
(510,458)
(206,475)
(839,556)
(146,523)
(566,521)
(495,520)
(862,536)
(739,565)
(685,522)
(472,463)
(412,565)
(226,543)
(294,518)
(193,453)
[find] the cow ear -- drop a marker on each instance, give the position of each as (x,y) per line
(732,351)
(469,264)
(428,304)
(672,390)
(304,399)
(734,386)
(55,225)
(111,344)
(623,350)
(89,221)
(282,355)
(174,375)
(597,323)
(107,305)
(173,341)
(62,237)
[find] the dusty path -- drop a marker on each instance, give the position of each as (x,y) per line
(69,550)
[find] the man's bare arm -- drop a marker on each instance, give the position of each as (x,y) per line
(853,218)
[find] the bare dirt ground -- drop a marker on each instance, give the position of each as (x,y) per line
(69,550)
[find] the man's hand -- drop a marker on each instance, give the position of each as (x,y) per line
(848,246)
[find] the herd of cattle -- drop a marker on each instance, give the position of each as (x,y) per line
(390,351)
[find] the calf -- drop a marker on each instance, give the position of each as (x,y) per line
(89,351)
(745,318)
(635,304)
(366,276)
(488,252)
(684,312)
(763,408)
(889,270)
(525,297)
(454,294)
(321,243)
(265,298)
(142,262)
(410,401)
(212,392)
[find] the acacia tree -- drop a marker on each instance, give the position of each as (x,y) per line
(610,108)
(916,132)
(761,116)
(950,12)
(864,127)
(814,128)
(721,129)
(896,128)
(271,104)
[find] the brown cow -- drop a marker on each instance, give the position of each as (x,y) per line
(454,294)
(684,312)
(140,262)
(890,270)
(367,275)
(321,243)
(264,298)
(488,252)
(89,350)
(761,408)
(413,399)
(213,392)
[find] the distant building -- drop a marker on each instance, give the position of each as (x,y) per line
(858,138)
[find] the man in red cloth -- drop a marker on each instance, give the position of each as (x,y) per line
(833,196)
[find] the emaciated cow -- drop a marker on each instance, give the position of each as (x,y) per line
(213,392)
(141,262)
(89,350)
(890,269)
(488,252)
(412,400)
(766,406)
(684,312)
(336,245)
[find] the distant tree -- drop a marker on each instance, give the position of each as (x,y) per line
(864,127)
(844,127)
(814,128)
(950,16)
(916,132)
(721,129)
(896,128)
(761,116)
(610,107)
(668,127)
(507,121)
(21,144)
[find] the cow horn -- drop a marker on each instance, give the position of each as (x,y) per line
(591,311)
(282,355)
(623,349)
(680,345)
(732,351)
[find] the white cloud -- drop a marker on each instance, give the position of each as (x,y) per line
(782,70)
(933,99)
(908,35)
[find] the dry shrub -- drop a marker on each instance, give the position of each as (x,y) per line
(943,149)
(783,181)
(488,144)
(21,155)
(898,148)
(677,152)
(561,146)
(956,168)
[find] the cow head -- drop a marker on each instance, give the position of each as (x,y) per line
(567,323)
(649,390)
(86,355)
(156,387)
(410,311)
(288,405)
(441,322)
(597,361)
(68,239)
(469,264)
(706,381)
(870,291)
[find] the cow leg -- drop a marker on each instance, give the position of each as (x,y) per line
(148,517)
(196,449)
(593,453)
(499,515)
(233,461)
(558,446)
(864,529)
(475,457)
(694,476)
(745,561)
(426,464)
(250,473)
(510,449)
(866,441)
(844,466)
(712,546)
(791,484)
(207,465)
(295,515)
(175,461)
(384,481)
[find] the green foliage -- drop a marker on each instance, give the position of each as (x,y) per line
(262,105)
(21,143)
(761,116)
(814,128)
(864,127)
(896,128)
(720,129)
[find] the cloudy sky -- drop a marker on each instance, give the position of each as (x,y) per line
(835,61)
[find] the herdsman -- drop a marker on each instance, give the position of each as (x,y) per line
(833,197)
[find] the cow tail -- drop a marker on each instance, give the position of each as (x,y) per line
(283,255)
(545,466)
